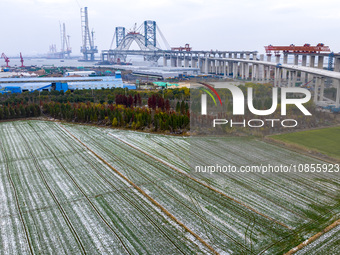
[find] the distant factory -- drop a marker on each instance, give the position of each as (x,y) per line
(19,85)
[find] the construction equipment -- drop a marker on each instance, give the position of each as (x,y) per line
(330,61)
(21,60)
(65,42)
(185,48)
(306,48)
(88,49)
(3,55)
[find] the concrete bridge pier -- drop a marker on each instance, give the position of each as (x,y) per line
(193,62)
(242,70)
(206,65)
(165,62)
(247,69)
(172,61)
(311,64)
(261,70)
(289,79)
(199,64)
(320,62)
(269,58)
(284,71)
(277,58)
(337,64)
(316,90)
(312,61)
(262,73)
(294,74)
(202,63)
(277,77)
(258,73)
(235,70)
(337,101)
(213,66)
(224,68)
(267,70)
(319,85)
(186,61)
(322,87)
(179,61)
(218,67)
(304,75)
(253,73)
(285,58)
(254,56)
(229,67)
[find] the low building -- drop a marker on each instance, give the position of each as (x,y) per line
(18,85)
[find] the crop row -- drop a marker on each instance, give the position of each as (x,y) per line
(71,203)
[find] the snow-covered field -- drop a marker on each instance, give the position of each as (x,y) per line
(73,189)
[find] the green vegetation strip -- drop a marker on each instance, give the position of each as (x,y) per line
(325,140)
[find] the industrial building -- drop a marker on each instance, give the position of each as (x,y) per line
(19,85)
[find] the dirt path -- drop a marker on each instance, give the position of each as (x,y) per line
(313,238)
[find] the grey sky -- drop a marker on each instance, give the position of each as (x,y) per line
(30,26)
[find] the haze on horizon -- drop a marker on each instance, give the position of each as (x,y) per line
(31,26)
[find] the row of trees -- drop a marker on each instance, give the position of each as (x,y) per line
(15,111)
(119,116)
(95,96)
(117,107)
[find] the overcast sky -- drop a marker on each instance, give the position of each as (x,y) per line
(30,26)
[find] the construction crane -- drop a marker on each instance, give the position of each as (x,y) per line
(3,55)
(306,48)
(65,42)
(21,60)
(185,48)
(330,61)
(88,48)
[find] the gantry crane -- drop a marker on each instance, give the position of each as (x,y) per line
(3,55)
(307,48)
(21,60)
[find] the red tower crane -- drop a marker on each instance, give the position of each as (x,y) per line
(3,55)
(21,60)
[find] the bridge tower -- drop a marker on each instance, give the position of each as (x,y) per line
(65,42)
(150,33)
(88,49)
(120,35)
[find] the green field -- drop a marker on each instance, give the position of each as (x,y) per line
(76,189)
(325,140)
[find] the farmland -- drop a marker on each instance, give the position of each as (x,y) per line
(76,189)
(325,140)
